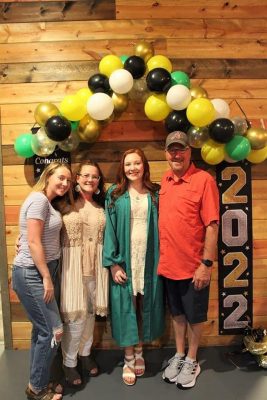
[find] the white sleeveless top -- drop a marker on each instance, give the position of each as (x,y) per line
(139,210)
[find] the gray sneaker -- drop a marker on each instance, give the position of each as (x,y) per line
(172,370)
(188,375)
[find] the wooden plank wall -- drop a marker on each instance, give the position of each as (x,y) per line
(49,49)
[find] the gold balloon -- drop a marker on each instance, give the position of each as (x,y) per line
(88,129)
(197,92)
(139,92)
(197,136)
(44,111)
(257,348)
(71,143)
(262,360)
(144,49)
(257,138)
(41,144)
(120,102)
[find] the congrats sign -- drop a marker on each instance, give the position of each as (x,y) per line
(39,163)
(235,247)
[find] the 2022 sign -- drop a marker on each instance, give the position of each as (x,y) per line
(235,247)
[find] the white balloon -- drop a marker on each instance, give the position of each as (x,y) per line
(100,106)
(178,97)
(121,81)
(221,108)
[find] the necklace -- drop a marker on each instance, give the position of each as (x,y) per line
(138,197)
(135,195)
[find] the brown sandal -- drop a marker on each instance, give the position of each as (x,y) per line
(89,364)
(45,394)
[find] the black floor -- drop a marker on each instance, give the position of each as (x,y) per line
(220,379)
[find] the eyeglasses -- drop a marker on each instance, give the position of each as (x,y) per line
(175,150)
(88,176)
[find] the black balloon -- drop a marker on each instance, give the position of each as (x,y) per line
(58,128)
(136,66)
(222,130)
(159,80)
(99,83)
(177,121)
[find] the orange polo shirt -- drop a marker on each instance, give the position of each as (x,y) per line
(186,208)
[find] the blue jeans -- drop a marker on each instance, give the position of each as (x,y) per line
(45,318)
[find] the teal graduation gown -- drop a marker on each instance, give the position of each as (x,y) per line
(117,250)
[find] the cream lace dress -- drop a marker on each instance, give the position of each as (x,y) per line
(139,209)
(82,244)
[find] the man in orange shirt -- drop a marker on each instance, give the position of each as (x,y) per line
(188,231)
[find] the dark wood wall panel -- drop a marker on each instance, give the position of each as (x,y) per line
(82,70)
(26,11)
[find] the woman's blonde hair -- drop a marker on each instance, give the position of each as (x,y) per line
(42,183)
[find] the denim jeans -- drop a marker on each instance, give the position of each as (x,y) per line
(45,318)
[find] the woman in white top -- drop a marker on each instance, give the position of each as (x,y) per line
(84,283)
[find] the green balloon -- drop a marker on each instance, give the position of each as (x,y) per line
(123,58)
(23,146)
(180,78)
(74,125)
(238,148)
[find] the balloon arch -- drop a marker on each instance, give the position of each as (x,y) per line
(168,97)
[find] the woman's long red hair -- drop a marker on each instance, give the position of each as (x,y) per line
(122,181)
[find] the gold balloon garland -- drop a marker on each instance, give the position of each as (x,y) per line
(210,127)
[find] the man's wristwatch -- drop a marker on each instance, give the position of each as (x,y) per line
(207,262)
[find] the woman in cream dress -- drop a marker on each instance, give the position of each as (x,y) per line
(84,283)
(131,255)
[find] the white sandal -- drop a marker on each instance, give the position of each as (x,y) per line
(139,369)
(128,370)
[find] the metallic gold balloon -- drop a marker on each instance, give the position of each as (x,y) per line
(144,49)
(120,102)
(197,136)
(240,124)
(88,129)
(257,138)
(257,348)
(71,143)
(262,360)
(197,92)
(139,92)
(44,111)
(41,144)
